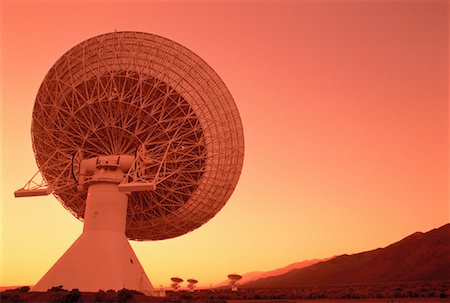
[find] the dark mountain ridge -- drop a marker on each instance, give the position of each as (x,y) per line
(418,257)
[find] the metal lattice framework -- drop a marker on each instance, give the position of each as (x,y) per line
(125,93)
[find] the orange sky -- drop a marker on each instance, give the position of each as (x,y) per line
(345,113)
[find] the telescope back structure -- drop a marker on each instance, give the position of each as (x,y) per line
(138,137)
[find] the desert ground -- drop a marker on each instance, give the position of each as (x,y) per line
(405,292)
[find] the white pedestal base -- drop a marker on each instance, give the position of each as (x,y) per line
(98,260)
(101,258)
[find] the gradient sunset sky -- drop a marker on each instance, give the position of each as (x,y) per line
(345,113)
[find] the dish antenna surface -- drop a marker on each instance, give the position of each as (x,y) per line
(138,137)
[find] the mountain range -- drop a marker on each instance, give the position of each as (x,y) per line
(418,257)
(255,275)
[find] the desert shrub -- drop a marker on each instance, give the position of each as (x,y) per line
(23,289)
(124,295)
(135,292)
(100,296)
(57,288)
(73,296)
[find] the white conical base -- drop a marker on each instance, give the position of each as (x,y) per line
(101,258)
(98,260)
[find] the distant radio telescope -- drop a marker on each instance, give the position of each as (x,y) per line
(191,284)
(233,279)
(176,283)
(139,138)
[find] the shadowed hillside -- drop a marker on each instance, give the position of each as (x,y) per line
(251,276)
(418,257)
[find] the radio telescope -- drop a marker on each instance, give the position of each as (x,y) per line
(176,283)
(138,137)
(233,279)
(191,284)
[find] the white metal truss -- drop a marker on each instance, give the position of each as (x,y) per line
(131,93)
(36,186)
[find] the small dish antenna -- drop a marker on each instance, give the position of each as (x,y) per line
(191,284)
(176,281)
(233,280)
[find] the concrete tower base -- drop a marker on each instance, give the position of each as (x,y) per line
(101,258)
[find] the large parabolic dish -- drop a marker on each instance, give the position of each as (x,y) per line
(124,92)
